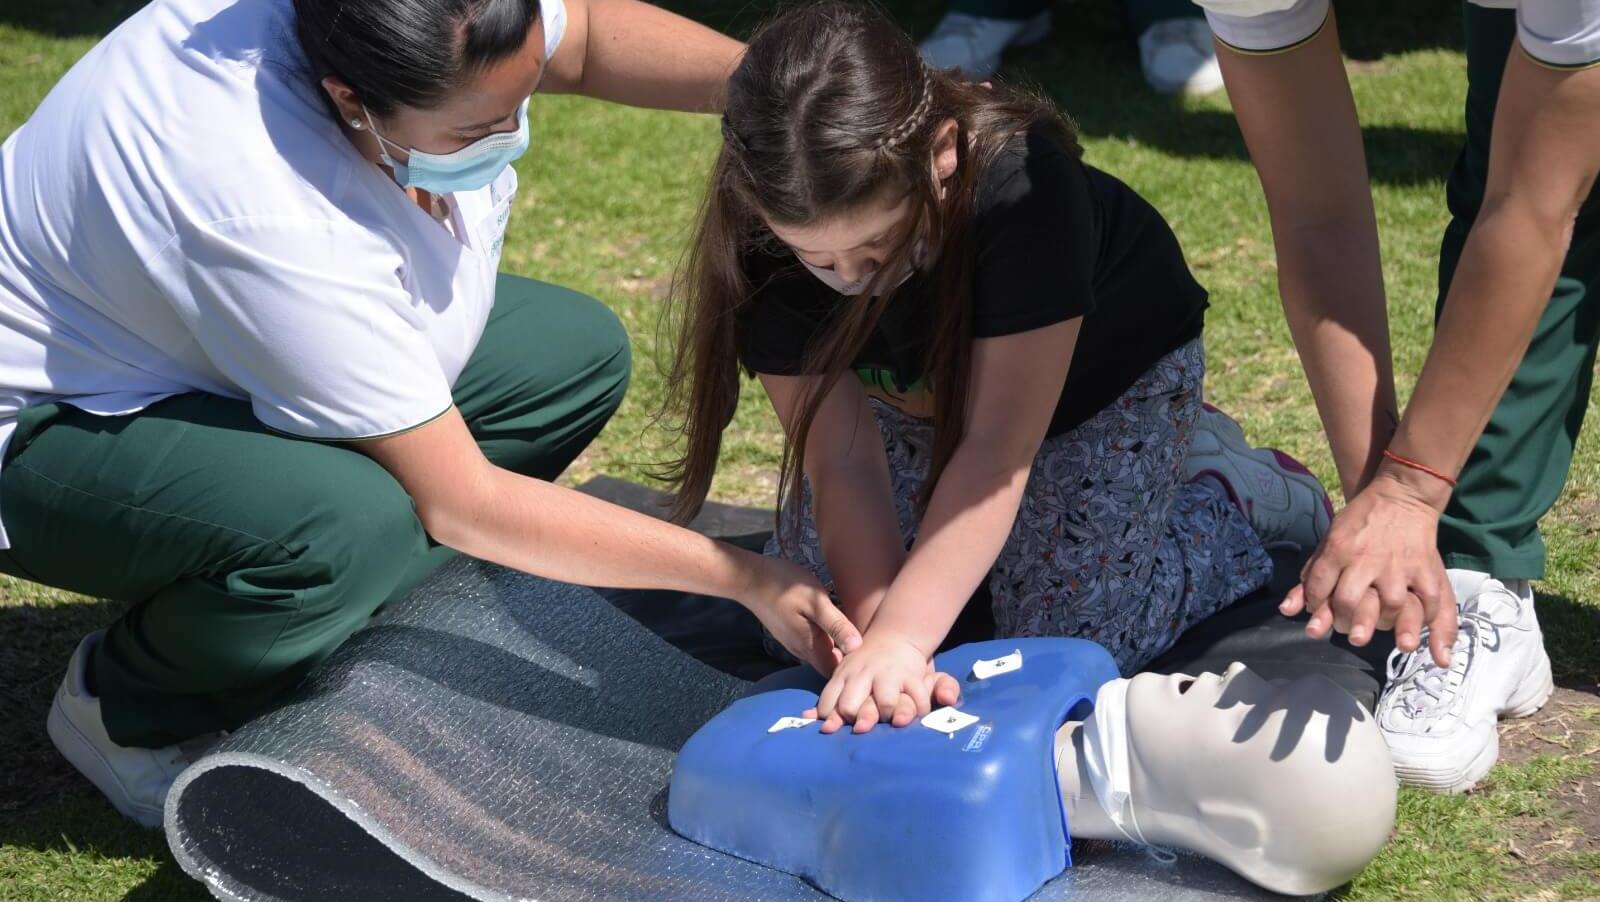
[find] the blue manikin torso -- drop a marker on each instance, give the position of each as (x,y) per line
(899,814)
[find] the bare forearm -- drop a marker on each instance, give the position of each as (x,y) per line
(1299,122)
(1333,301)
(549,530)
(642,56)
(1500,288)
(860,536)
(966,526)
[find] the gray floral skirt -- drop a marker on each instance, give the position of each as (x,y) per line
(1111,542)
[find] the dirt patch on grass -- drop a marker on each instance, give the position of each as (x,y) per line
(1561,845)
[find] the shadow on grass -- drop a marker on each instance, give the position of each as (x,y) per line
(1572,637)
(87,848)
(39,639)
(45,805)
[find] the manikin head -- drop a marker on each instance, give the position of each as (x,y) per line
(1288,783)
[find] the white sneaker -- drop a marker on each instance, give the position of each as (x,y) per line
(135,780)
(1284,501)
(972,44)
(1440,722)
(1178,57)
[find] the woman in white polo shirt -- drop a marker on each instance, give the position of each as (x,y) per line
(256,359)
(1487,439)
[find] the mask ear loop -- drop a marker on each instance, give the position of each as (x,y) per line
(383,143)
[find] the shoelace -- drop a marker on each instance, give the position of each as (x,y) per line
(1423,687)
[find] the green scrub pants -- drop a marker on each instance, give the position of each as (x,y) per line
(249,555)
(1141,13)
(1517,470)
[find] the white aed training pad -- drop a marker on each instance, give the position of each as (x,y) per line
(993,667)
(949,720)
(500,737)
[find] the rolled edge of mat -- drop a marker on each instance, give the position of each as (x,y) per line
(224,885)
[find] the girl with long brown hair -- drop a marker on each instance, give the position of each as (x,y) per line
(986,356)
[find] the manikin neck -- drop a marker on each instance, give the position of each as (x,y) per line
(1086,819)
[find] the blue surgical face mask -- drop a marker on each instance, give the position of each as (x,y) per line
(468,169)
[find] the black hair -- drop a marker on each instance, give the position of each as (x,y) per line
(396,53)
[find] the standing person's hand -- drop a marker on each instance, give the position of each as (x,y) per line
(796,609)
(1379,567)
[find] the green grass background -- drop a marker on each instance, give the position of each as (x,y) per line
(607,199)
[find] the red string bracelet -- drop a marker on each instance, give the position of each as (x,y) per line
(1408,462)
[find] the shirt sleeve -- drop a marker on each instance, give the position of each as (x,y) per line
(310,320)
(1265,26)
(1560,34)
(553,13)
(1038,239)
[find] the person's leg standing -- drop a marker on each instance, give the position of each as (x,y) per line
(1519,466)
(1441,728)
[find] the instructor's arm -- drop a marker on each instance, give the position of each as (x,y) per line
(633,53)
(468,503)
(1542,163)
(1299,122)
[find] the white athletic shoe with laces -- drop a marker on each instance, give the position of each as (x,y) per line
(1284,502)
(1440,723)
(1178,57)
(135,780)
(972,44)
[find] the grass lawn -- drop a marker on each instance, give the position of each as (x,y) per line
(605,207)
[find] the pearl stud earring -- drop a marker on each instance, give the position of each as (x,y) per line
(356,124)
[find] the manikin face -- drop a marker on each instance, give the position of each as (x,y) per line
(1287,780)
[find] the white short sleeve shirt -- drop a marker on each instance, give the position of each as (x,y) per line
(181,213)
(1563,34)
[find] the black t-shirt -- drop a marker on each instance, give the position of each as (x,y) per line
(1054,239)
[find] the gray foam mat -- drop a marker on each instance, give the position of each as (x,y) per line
(496,736)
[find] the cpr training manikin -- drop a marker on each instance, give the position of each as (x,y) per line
(1287,783)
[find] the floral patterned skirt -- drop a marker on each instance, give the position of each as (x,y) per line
(1111,542)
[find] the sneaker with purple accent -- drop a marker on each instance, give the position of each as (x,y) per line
(1284,501)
